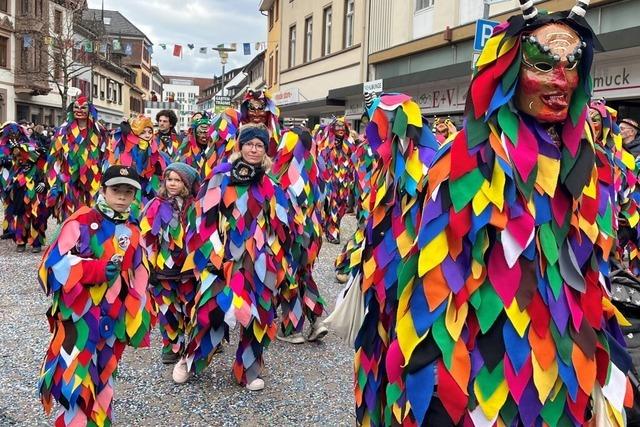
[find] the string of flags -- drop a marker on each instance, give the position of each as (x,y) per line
(179,49)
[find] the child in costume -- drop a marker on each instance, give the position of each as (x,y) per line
(503,314)
(26,190)
(75,160)
(296,170)
(336,149)
(96,272)
(236,239)
(132,144)
(163,226)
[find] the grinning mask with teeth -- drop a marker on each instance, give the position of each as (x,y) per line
(548,72)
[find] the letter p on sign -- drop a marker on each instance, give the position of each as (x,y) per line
(484,28)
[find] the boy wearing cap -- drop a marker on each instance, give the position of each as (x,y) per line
(96,272)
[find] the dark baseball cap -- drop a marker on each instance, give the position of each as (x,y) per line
(119,174)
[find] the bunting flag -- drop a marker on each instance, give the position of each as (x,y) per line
(163,46)
(177,50)
(246,47)
(191,46)
(203,50)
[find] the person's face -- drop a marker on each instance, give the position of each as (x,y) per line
(119,197)
(202,134)
(442,129)
(596,122)
(627,132)
(80,111)
(549,73)
(164,124)
(173,183)
(29,131)
(253,151)
(339,130)
(257,113)
(147,134)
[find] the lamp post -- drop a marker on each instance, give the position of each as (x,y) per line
(224,55)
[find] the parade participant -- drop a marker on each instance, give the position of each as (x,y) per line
(25,189)
(96,272)
(236,244)
(258,107)
(132,144)
(444,129)
(166,137)
(75,158)
(9,136)
(197,146)
(503,312)
(336,149)
(163,226)
(295,168)
(630,138)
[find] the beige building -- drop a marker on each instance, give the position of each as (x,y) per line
(272,54)
(321,48)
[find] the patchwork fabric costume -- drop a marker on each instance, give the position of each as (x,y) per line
(193,152)
(75,159)
(7,133)
(236,238)
(504,313)
(168,143)
(296,170)
(92,318)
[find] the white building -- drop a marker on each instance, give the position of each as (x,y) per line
(185,92)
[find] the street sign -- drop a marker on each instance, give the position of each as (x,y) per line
(373,86)
(222,100)
(484,28)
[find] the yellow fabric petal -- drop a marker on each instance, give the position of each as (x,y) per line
(455,318)
(480,201)
(414,166)
(519,319)
(548,172)
(490,406)
(544,380)
(433,253)
(489,53)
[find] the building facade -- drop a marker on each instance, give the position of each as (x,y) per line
(272,54)
(7,60)
(185,93)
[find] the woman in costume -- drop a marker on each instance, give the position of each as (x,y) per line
(163,225)
(132,144)
(336,150)
(295,168)
(503,313)
(75,159)
(236,238)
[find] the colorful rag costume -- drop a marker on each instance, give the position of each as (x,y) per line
(364,160)
(5,169)
(25,191)
(128,149)
(75,159)
(236,238)
(92,318)
(167,143)
(336,151)
(504,315)
(259,107)
(196,147)
(224,130)
(444,129)
(295,168)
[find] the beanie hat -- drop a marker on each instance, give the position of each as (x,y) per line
(187,174)
(247,133)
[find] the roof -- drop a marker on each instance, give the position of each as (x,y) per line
(258,58)
(119,25)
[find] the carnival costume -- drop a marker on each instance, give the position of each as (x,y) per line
(75,159)
(336,148)
(7,133)
(127,148)
(167,143)
(197,146)
(163,227)
(26,197)
(444,129)
(295,168)
(96,311)
(236,239)
(504,313)
(259,107)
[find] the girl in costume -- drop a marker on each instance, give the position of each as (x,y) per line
(236,239)
(96,272)
(163,226)
(132,144)
(297,172)
(504,315)
(75,159)
(26,190)
(336,149)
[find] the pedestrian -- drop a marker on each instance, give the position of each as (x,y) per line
(166,137)
(8,137)
(96,272)
(163,226)
(236,244)
(630,132)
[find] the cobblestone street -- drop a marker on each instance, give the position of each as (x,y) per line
(308,384)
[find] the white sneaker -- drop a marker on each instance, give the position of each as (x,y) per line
(255,385)
(318,331)
(295,338)
(181,373)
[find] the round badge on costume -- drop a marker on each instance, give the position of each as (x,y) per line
(94,226)
(106,327)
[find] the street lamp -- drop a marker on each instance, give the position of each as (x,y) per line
(224,55)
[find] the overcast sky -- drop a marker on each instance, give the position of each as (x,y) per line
(204,23)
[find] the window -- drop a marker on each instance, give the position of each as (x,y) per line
(4,52)
(275,68)
(270,71)
(276,8)
(308,32)
(39,7)
(271,17)
(145,81)
(348,22)
(326,31)
(423,4)
(4,6)
(109,91)
(57,21)
(24,7)
(292,46)
(145,53)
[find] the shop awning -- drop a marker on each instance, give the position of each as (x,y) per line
(317,107)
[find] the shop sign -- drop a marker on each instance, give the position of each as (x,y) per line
(616,78)
(373,86)
(441,97)
(289,96)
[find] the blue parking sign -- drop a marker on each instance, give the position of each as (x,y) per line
(484,28)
